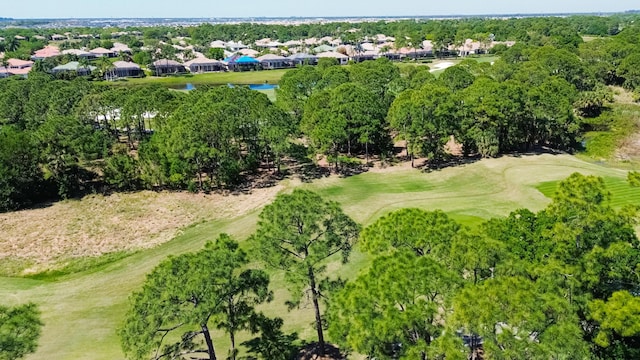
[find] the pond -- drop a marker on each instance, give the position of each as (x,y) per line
(262,86)
(190,87)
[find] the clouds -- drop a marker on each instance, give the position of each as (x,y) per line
(285,8)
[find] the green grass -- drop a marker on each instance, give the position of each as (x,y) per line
(622,193)
(271,94)
(82,310)
(222,78)
(81,264)
(618,123)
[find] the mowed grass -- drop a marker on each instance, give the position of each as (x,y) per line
(221,78)
(622,193)
(82,311)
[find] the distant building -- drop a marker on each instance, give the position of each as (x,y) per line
(124,69)
(119,48)
(303,59)
(236,46)
(271,61)
(79,53)
(74,66)
(101,52)
(342,59)
(16,67)
(248,52)
(167,67)
(47,52)
(202,65)
(241,63)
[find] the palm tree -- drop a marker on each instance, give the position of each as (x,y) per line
(84,64)
(13,44)
(105,67)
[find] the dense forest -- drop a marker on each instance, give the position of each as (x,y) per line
(63,138)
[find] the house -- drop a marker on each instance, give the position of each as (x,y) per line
(342,59)
(267,43)
(249,52)
(201,65)
(100,52)
(19,67)
(218,44)
(303,59)
(40,37)
(20,37)
(468,47)
(236,46)
(241,63)
(47,52)
(16,67)
(119,48)
(366,55)
(271,61)
(73,66)
(167,67)
(124,69)
(79,53)
(323,48)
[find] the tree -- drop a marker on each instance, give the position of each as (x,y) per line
(629,71)
(106,67)
(456,78)
(619,322)
(402,118)
(275,132)
(189,292)
(422,232)
(122,171)
(519,319)
(295,88)
(65,142)
(591,103)
(216,53)
(297,233)
(20,174)
(20,329)
(397,309)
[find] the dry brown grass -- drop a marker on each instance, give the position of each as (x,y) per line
(621,95)
(98,224)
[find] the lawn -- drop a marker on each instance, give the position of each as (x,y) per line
(221,78)
(622,193)
(82,311)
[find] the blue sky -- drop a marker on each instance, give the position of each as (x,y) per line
(285,8)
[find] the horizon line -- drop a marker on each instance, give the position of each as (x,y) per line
(331,16)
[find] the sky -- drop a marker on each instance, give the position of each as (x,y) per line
(304,8)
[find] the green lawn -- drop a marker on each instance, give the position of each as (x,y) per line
(82,311)
(621,192)
(222,78)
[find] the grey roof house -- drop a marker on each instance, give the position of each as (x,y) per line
(201,65)
(73,66)
(167,67)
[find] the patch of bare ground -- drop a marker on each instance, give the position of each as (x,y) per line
(622,95)
(629,148)
(97,224)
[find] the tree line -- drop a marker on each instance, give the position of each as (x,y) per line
(560,283)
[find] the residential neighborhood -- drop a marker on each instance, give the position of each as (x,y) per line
(263,54)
